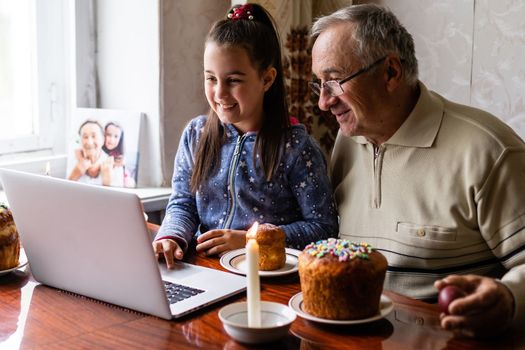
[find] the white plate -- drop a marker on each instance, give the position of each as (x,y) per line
(385,307)
(21,263)
(235,261)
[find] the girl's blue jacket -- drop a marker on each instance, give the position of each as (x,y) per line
(298,198)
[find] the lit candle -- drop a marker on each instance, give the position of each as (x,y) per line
(48,169)
(253,289)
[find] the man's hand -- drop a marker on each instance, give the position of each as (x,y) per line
(219,241)
(169,249)
(485,311)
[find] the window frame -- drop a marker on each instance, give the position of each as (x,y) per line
(52,91)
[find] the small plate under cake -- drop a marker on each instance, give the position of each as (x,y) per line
(385,307)
(235,261)
(22,262)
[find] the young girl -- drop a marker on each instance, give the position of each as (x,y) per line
(114,147)
(244,162)
(113,140)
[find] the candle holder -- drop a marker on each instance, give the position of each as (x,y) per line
(276,319)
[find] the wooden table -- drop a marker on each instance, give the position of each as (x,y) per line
(36,316)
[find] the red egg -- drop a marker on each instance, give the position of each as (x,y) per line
(447,295)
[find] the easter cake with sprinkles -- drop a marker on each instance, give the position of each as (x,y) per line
(341,280)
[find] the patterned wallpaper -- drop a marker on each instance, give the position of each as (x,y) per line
(498,72)
(471,51)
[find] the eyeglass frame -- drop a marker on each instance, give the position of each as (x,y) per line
(316,87)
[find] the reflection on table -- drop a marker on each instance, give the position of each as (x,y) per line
(37,316)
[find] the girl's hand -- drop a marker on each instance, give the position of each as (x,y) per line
(169,249)
(107,165)
(105,171)
(219,241)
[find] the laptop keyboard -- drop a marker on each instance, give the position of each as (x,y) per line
(178,292)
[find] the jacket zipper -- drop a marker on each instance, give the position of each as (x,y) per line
(231,176)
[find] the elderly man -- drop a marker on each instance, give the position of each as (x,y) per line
(437,187)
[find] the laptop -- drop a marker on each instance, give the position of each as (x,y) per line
(93,240)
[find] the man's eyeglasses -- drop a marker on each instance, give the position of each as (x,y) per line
(333,87)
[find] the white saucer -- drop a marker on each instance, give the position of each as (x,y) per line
(296,304)
(235,261)
(21,263)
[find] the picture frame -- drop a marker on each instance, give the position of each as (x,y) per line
(103,147)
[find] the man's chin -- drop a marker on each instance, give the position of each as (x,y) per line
(347,130)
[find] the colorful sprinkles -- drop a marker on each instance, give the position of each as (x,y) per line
(342,248)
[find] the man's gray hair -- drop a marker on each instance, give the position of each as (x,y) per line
(376,33)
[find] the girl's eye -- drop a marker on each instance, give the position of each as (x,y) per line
(234,81)
(210,78)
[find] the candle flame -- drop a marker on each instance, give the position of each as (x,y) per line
(252,231)
(48,168)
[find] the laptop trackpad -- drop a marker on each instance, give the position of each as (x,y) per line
(182,271)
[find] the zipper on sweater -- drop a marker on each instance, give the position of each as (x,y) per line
(378,165)
(231,177)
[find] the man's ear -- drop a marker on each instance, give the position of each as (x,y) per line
(269,77)
(390,72)
(393,72)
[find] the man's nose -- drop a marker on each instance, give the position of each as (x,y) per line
(325,100)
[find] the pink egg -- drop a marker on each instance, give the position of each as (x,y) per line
(447,295)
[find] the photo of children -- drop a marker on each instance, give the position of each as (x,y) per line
(100,154)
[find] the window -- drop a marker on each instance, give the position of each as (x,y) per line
(34,69)
(17,44)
